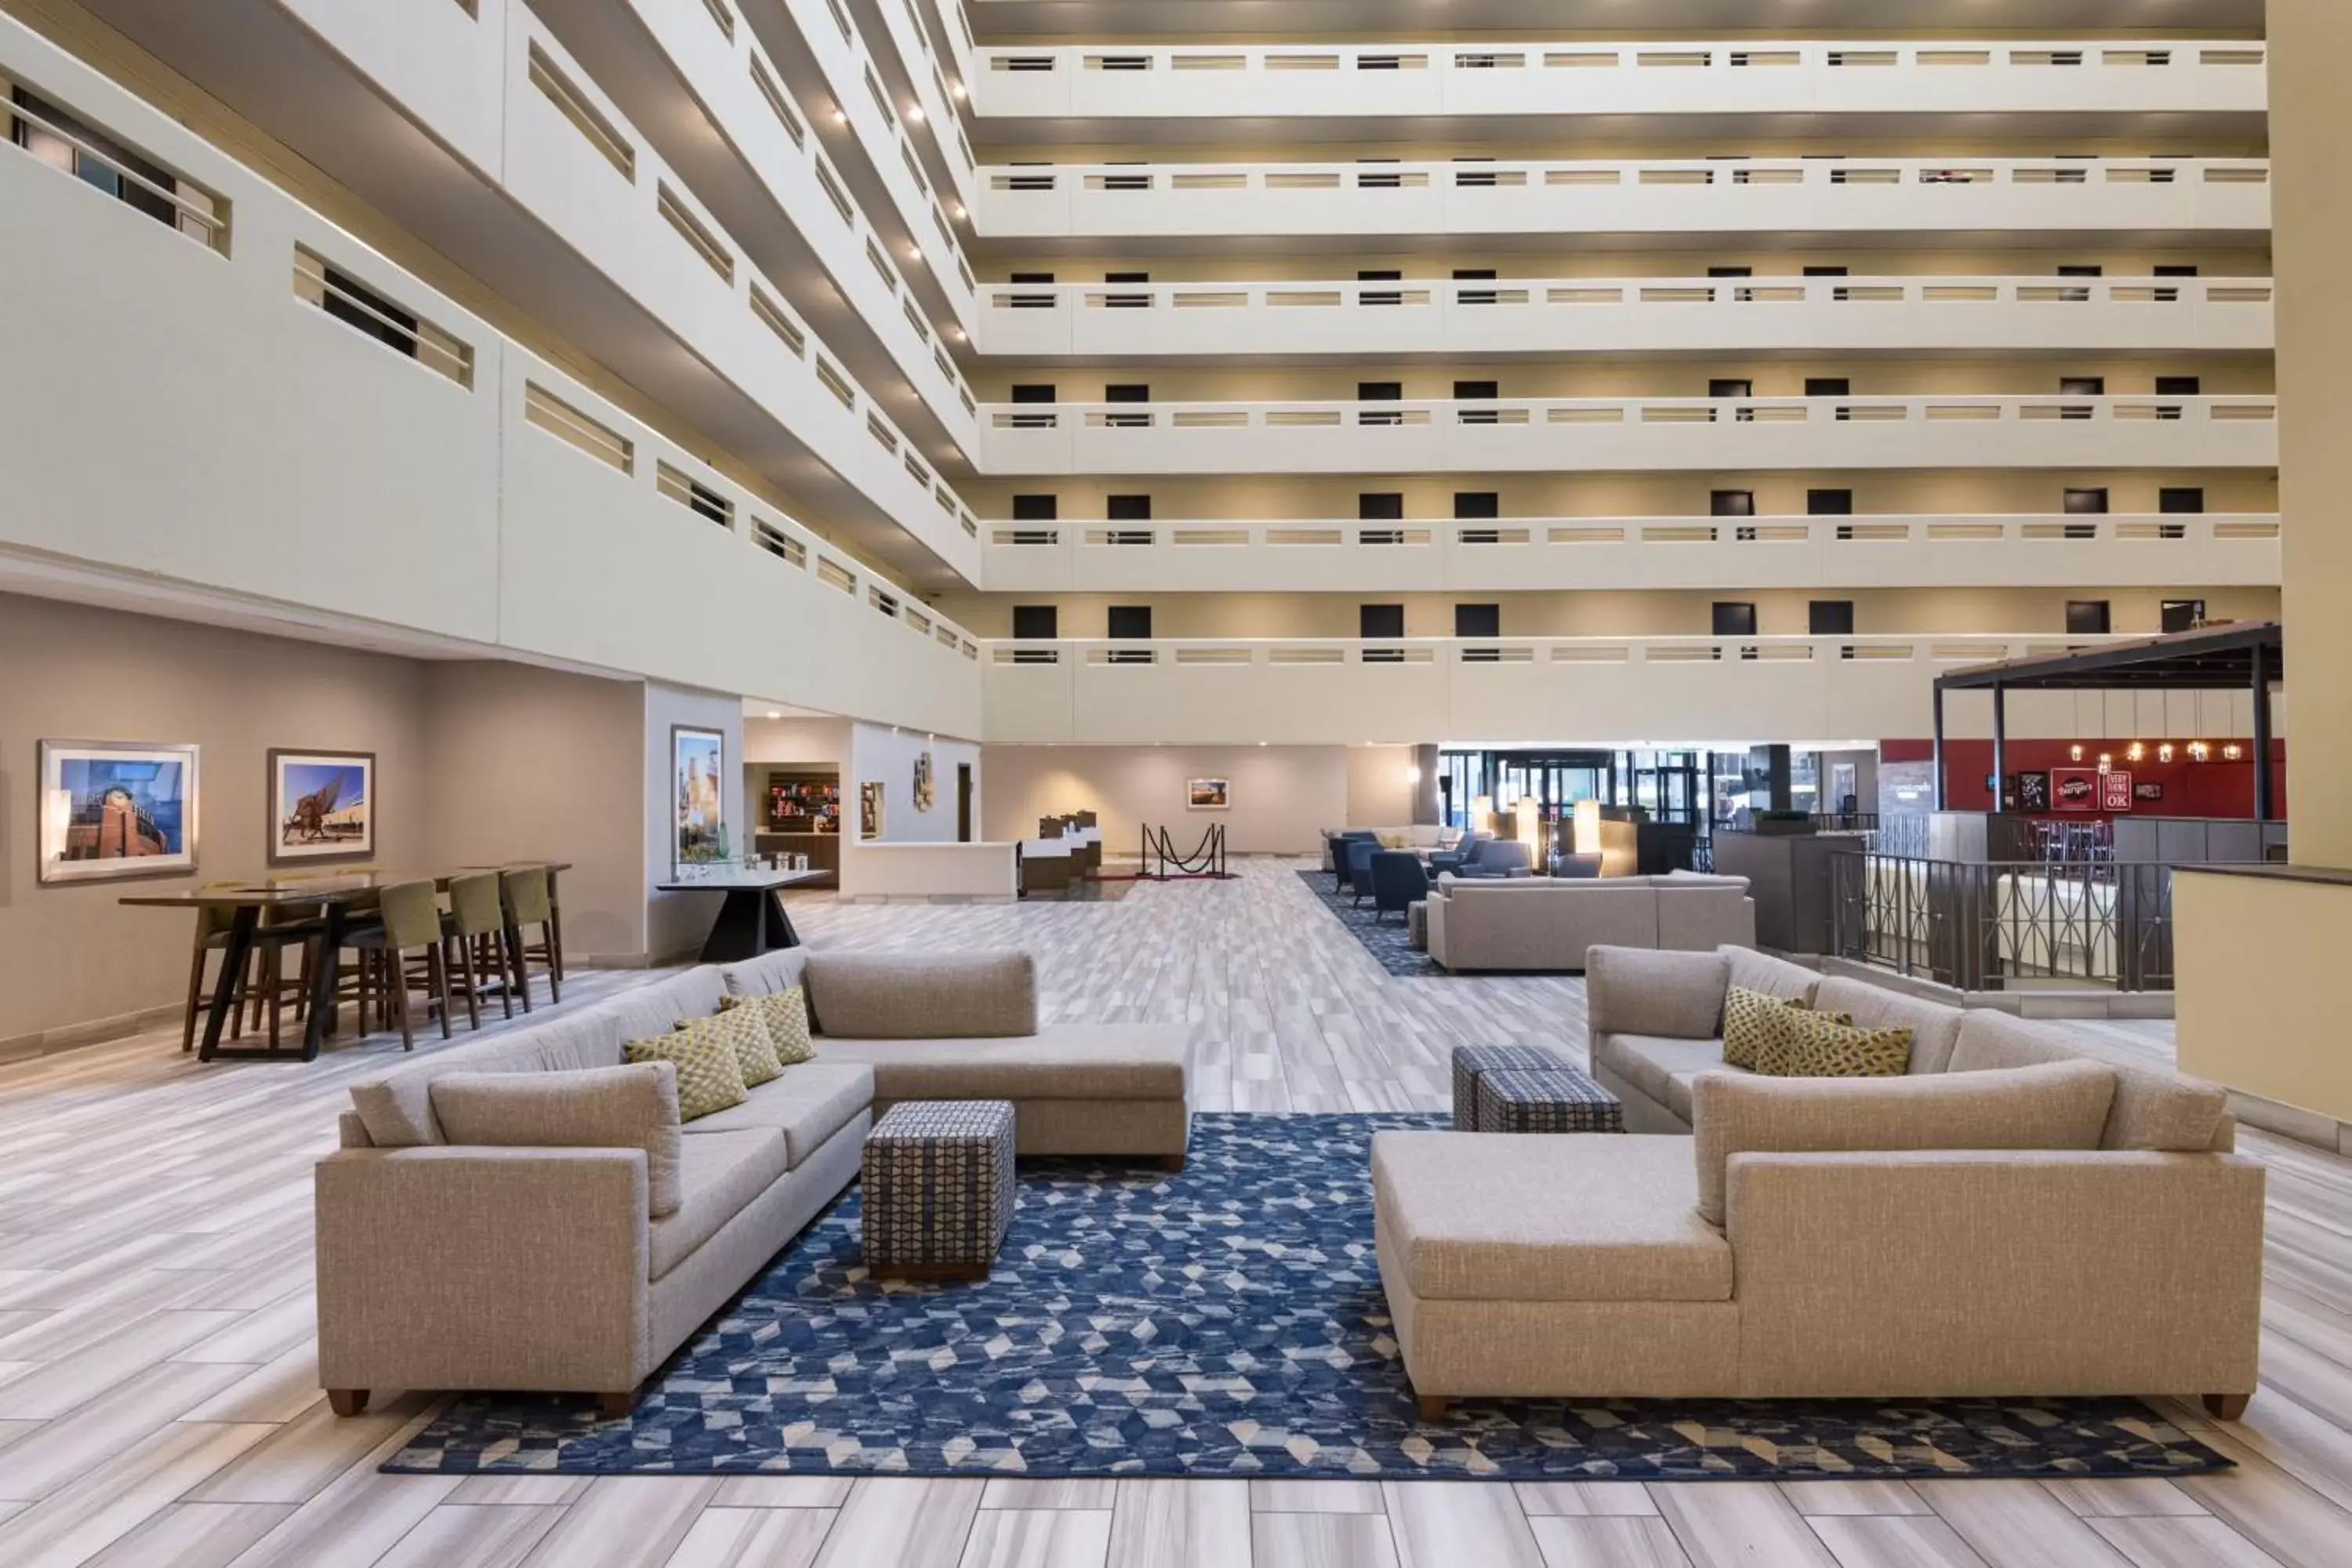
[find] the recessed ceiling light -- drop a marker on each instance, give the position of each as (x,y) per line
(772,713)
(957,88)
(915,112)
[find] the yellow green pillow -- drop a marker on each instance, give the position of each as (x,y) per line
(746,1034)
(709,1075)
(1751,1026)
(786,1015)
(1821,1045)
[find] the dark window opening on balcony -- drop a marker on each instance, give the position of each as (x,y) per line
(1032,301)
(1126,301)
(1477,391)
(1378,623)
(1127,392)
(1476,296)
(1031,394)
(2087,617)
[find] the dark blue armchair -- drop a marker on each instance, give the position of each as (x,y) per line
(1339,846)
(1359,866)
(1453,859)
(1398,882)
(1499,857)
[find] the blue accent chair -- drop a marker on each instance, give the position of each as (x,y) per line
(1574,866)
(1499,858)
(1453,859)
(1339,846)
(1359,866)
(1398,882)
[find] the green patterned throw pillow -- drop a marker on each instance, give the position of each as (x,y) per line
(786,1016)
(746,1034)
(1751,1024)
(709,1077)
(1821,1045)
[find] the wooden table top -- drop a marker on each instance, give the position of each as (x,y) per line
(278,892)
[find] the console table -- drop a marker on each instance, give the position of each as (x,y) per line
(752,919)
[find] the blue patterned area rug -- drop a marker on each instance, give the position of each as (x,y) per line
(1386,940)
(1224,1320)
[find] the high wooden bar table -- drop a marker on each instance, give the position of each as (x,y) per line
(338,896)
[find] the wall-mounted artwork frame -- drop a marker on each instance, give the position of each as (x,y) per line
(924,794)
(1208,794)
(697,794)
(870,809)
(323,807)
(114,810)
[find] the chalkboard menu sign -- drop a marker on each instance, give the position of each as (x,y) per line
(2029,791)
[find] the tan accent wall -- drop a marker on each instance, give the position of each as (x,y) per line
(2259,1005)
(522,763)
(71,953)
(2312,134)
(1283,796)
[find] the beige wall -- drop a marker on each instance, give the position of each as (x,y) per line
(522,763)
(2312,239)
(1283,796)
(2258,1003)
(72,955)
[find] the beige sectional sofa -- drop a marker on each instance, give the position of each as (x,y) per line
(537,1263)
(2018,1216)
(1548,923)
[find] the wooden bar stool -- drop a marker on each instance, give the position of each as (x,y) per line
(411,931)
(528,904)
(212,936)
(474,933)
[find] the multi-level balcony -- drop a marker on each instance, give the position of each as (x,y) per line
(1131,322)
(992,19)
(1616,435)
(2042,198)
(1622,690)
(1515,555)
(1112,90)
(329,440)
(484,138)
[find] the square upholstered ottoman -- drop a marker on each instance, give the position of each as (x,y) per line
(1549,1099)
(1416,925)
(1471,1062)
(939,1187)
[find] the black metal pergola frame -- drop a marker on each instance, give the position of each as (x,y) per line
(2245,656)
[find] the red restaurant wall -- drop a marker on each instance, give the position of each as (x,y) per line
(2190,789)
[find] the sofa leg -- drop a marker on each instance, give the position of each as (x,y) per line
(617,1405)
(2227,1407)
(1432,1405)
(1172,1162)
(347,1401)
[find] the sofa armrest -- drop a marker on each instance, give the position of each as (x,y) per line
(456,1267)
(1638,991)
(1997,1272)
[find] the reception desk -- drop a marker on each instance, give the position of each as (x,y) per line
(875,871)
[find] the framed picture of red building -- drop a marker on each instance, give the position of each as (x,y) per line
(111,810)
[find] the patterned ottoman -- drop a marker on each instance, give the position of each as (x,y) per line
(1558,1099)
(1416,925)
(1471,1061)
(939,1187)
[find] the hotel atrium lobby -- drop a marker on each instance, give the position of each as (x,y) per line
(1086,784)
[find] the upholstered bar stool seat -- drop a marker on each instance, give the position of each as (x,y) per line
(531,902)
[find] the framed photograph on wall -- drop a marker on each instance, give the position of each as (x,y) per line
(322,806)
(923,788)
(870,809)
(1208,794)
(116,809)
(697,794)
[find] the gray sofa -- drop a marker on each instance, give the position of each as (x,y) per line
(1548,923)
(587,1235)
(2023,1213)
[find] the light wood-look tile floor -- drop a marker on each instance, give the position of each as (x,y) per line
(158,1406)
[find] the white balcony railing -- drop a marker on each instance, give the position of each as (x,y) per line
(1612,315)
(1645,691)
(1758,76)
(1512,554)
(1685,195)
(328,434)
(1523,435)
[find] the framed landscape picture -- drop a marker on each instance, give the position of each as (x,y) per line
(116,809)
(1208,794)
(697,794)
(322,806)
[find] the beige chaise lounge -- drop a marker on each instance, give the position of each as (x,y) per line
(2012,1219)
(1549,922)
(535,1263)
